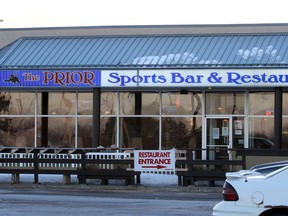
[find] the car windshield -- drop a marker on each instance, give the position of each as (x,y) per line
(254,142)
(265,169)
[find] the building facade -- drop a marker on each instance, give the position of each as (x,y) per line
(178,87)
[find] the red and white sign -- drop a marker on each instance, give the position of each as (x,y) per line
(147,160)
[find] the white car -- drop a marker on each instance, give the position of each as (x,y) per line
(260,191)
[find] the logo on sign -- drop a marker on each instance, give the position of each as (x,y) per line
(14,79)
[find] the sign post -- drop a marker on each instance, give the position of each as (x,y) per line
(154,160)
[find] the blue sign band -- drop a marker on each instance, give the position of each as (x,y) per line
(50,78)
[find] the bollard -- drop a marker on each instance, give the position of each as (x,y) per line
(15,178)
(66,179)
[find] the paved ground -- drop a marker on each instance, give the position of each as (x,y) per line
(115,199)
(147,185)
(17,202)
(116,188)
(119,190)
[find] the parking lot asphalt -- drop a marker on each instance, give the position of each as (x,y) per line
(118,190)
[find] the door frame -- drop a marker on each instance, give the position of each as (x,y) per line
(205,144)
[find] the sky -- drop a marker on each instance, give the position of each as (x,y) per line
(60,13)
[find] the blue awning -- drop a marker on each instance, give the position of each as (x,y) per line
(166,51)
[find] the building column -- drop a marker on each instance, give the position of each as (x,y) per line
(44,120)
(278,118)
(138,111)
(96,117)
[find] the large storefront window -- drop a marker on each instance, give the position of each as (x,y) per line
(285,132)
(84,120)
(17,103)
(150,104)
(139,120)
(181,133)
(285,103)
(84,136)
(109,103)
(261,120)
(108,123)
(137,132)
(285,121)
(181,104)
(17,125)
(137,103)
(61,127)
(61,132)
(108,131)
(143,120)
(85,103)
(261,132)
(224,103)
(17,132)
(261,103)
(181,120)
(128,119)
(62,103)
(127,103)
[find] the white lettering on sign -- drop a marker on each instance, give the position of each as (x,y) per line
(146,160)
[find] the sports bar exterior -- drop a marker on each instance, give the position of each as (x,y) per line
(148,91)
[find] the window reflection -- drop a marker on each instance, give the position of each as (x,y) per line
(150,104)
(17,131)
(108,131)
(285,103)
(139,132)
(127,103)
(181,118)
(261,103)
(261,132)
(108,103)
(85,103)
(285,132)
(138,103)
(61,132)
(85,128)
(181,104)
(62,103)
(225,103)
(5,100)
(17,103)
(181,133)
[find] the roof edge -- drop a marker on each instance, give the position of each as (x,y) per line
(253,25)
(10,35)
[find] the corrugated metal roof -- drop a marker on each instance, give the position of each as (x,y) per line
(148,51)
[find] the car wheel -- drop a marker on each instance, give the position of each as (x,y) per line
(278,213)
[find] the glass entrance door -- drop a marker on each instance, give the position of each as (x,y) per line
(218,137)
